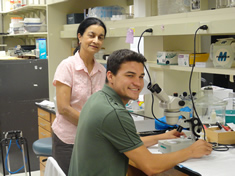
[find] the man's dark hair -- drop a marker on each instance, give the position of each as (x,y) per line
(121,56)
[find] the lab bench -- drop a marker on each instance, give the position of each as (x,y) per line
(218,163)
(133,170)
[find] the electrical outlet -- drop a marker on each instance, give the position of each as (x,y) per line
(204,23)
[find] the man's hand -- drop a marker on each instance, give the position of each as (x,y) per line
(173,134)
(200,148)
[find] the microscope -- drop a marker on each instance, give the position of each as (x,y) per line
(172,106)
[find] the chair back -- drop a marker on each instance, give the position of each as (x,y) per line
(52,168)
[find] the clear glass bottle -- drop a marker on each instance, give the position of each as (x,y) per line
(222,4)
(232,3)
(210,109)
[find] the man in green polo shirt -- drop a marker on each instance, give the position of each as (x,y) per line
(106,135)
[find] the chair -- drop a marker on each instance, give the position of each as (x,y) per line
(52,168)
(43,147)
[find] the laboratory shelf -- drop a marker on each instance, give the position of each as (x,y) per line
(35,34)
(153,65)
(219,21)
(212,70)
(25,9)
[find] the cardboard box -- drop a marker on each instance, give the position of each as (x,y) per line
(213,135)
(183,60)
(198,5)
(42,47)
(199,57)
(230,116)
(75,18)
(167,58)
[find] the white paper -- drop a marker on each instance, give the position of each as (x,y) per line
(46,103)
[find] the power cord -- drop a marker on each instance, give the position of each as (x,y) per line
(149,30)
(203,27)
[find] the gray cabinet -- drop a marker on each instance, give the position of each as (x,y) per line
(22,83)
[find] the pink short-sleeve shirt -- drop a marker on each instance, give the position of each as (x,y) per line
(73,72)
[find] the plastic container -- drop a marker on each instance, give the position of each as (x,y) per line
(16,26)
(35,27)
(222,53)
(173,6)
(210,109)
(16,19)
(32,20)
(105,12)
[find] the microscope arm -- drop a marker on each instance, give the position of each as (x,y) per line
(172,106)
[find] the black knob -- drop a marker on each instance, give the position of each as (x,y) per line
(185,94)
(181,103)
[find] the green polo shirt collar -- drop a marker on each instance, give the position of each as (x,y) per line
(108,90)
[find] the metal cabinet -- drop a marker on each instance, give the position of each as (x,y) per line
(22,83)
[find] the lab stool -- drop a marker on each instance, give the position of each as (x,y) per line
(43,147)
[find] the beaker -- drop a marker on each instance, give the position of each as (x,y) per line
(210,109)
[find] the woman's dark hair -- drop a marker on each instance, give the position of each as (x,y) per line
(117,58)
(85,24)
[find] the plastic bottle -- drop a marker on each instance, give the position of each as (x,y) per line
(12,4)
(213,116)
(7,5)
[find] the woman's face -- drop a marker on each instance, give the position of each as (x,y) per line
(92,39)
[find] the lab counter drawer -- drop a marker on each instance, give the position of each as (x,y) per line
(42,133)
(44,114)
(44,124)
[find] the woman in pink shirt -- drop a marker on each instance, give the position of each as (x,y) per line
(76,78)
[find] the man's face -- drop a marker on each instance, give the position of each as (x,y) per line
(129,80)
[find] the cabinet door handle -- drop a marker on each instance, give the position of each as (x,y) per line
(43,134)
(42,115)
(42,124)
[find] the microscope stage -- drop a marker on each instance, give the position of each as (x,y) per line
(172,145)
